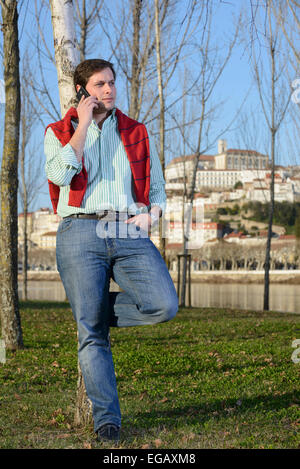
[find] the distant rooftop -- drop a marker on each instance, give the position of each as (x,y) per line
(180,159)
(251,152)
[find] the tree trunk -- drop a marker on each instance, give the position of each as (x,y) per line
(67,57)
(66,51)
(135,67)
(25,209)
(10,314)
(83,409)
(83,32)
(271,206)
(278,109)
(162,239)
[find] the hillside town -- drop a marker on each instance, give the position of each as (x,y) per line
(221,234)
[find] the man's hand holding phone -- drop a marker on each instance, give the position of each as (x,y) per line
(85,109)
(87,106)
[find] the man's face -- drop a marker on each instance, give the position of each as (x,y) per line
(102,85)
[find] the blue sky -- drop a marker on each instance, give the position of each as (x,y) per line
(235,83)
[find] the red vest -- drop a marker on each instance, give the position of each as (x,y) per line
(136,142)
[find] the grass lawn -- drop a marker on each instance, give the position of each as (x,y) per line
(211,378)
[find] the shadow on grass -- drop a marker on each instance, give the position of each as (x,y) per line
(37,304)
(247,409)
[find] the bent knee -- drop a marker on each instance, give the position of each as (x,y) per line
(169,309)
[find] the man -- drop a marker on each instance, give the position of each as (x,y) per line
(106,183)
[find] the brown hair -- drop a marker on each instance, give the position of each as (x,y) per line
(87,68)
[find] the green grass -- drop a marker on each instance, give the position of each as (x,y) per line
(211,378)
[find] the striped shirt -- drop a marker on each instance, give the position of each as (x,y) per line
(110,182)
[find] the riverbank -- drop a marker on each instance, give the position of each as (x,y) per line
(291,277)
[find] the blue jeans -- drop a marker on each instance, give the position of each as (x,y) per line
(88,255)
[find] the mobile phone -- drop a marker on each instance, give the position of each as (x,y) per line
(82,92)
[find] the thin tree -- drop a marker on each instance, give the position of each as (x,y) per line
(10,314)
(126,47)
(275,97)
(288,17)
(86,18)
(162,239)
(135,57)
(133,45)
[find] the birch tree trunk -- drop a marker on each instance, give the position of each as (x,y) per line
(66,50)
(67,57)
(10,314)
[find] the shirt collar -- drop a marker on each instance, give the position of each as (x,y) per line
(109,121)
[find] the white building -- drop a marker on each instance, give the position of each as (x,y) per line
(199,233)
(284,189)
(183,166)
(219,179)
(48,240)
(239,159)
(41,226)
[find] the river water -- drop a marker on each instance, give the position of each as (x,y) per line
(283,297)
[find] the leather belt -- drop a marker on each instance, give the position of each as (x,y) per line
(109,215)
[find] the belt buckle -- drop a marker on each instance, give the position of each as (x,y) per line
(101,214)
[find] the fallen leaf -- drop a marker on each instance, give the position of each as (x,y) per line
(142,395)
(157,442)
(165,399)
(87,445)
(146,446)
